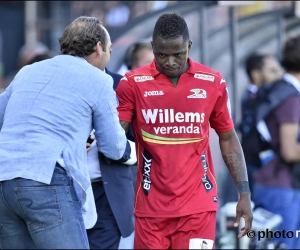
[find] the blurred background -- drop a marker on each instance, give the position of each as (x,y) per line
(224,33)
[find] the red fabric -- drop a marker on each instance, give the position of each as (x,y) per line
(172,233)
(171,127)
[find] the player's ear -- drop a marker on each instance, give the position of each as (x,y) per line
(189,46)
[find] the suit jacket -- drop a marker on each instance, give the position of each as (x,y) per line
(117,182)
(115,77)
(118,186)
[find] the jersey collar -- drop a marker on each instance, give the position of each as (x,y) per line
(155,72)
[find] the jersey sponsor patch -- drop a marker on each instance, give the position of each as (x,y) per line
(168,122)
(143,78)
(204,77)
(170,116)
(198,93)
(205,180)
(198,243)
(147,163)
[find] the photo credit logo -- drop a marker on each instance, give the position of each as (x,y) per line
(269,234)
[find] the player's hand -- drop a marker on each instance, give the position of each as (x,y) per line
(244,210)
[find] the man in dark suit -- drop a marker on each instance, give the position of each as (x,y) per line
(114,195)
(130,134)
(115,77)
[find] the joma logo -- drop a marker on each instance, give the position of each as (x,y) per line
(153,93)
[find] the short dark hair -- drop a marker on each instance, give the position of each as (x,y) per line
(80,37)
(291,55)
(254,62)
(170,26)
(133,51)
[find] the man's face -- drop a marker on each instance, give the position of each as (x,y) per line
(145,56)
(105,55)
(171,55)
(271,70)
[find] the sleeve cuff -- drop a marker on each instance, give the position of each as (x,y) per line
(129,157)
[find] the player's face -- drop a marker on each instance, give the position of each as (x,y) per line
(171,55)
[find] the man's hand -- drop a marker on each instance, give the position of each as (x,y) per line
(88,147)
(244,210)
(89,143)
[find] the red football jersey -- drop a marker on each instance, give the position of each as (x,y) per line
(171,126)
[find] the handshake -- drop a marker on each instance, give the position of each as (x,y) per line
(127,159)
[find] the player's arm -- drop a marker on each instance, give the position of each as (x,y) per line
(233,155)
(125,125)
(234,159)
(125,109)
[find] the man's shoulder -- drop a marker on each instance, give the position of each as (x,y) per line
(72,63)
(77,68)
(203,72)
(279,89)
(272,95)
